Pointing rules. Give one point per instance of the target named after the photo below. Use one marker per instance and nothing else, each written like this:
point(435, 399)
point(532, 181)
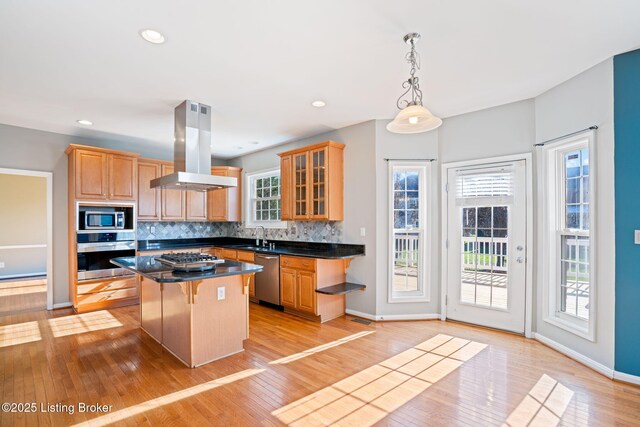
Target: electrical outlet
point(637, 237)
point(1, 264)
point(363, 232)
point(153, 229)
point(220, 294)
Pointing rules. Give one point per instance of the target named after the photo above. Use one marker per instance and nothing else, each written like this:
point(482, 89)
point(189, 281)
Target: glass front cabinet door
point(315, 174)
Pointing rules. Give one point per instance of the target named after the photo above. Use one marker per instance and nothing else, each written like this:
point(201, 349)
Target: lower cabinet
point(288, 287)
point(100, 294)
point(299, 279)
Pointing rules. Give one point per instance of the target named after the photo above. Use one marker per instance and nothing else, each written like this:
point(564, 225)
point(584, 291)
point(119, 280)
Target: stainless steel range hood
point(192, 152)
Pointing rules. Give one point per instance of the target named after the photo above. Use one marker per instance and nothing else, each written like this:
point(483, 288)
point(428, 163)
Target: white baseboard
point(627, 378)
point(596, 366)
point(62, 305)
point(391, 317)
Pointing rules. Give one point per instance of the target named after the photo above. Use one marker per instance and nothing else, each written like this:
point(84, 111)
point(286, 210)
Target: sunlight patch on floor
point(123, 414)
point(545, 405)
point(81, 323)
point(19, 333)
point(309, 352)
point(370, 395)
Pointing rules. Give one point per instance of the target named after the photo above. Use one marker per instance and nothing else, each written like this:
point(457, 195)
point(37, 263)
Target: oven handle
point(106, 246)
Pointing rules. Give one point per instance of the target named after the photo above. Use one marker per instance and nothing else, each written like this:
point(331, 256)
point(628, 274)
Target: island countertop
point(148, 267)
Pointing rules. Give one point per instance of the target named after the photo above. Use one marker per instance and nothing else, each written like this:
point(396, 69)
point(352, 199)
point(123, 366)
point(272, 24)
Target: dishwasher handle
point(267, 256)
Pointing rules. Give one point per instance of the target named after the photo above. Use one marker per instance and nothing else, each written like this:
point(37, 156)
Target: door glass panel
point(301, 184)
point(484, 256)
point(318, 182)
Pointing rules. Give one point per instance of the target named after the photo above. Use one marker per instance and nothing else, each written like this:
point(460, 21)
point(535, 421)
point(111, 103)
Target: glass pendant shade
point(414, 119)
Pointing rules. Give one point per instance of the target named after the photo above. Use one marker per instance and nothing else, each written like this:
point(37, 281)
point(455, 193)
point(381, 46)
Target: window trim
point(551, 171)
point(249, 180)
point(426, 236)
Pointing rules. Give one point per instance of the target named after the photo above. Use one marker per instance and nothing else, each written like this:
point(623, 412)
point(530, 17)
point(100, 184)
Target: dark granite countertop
point(294, 248)
point(148, 267)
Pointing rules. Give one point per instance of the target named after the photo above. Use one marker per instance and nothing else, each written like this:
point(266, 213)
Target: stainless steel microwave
point(94, 220)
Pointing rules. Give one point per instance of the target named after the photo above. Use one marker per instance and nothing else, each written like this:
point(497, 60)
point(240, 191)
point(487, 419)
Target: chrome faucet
point(264, 241)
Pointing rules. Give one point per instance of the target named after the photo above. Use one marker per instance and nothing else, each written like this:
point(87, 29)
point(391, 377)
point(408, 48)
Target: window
point(263, 199)
point(568, 235)
point(408, 232)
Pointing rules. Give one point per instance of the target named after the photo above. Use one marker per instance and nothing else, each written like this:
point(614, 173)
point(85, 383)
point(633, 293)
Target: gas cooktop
point(189, 261)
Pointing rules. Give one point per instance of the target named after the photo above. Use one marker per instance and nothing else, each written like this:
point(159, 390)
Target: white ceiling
point(259, 64)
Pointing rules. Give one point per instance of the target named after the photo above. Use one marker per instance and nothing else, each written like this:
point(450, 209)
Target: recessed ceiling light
point(318, 104)
point(85, 122)
point(254, 142)
point(152, 36)
point(240, 147)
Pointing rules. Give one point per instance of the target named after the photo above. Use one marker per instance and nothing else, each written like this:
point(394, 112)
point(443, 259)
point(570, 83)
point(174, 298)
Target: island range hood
point(192, 152)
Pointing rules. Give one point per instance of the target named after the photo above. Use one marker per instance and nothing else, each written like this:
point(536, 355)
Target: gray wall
point(29, 149)
point(416, 146)
point(359, 200)
point(580, 102)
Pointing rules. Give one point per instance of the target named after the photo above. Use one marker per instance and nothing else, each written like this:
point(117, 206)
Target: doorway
point(25, 241)
point(486, 236)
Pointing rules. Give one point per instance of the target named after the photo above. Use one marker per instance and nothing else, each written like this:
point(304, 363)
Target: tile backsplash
point(307, 231)
point(180, 230)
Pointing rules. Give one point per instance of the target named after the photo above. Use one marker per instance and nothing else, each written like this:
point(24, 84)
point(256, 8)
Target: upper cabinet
point(312, 181)
point(167, 205)
point(148, 198)
point(225, 204)
point(101, 174)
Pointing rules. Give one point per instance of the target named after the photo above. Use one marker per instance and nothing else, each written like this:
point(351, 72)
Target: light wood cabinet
point(300, 277)
point(122, 177)
point(247, 256)
point(306, 292)
point(288, 287)
point(312, 182)
point(148, 198)
point(172, 201)
point(196, 205)
point(98, 175)
point(101, 174)
point(286, 195)
point(225, 204)
point(91, 174)
point(167, 205)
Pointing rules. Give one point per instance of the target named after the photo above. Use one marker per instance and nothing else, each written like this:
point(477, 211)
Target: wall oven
point(95, 250)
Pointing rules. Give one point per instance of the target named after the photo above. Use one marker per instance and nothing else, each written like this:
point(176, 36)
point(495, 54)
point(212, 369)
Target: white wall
point(578, 103)
point(359, 200)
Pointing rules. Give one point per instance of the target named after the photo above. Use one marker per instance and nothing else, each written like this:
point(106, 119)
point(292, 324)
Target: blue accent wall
point(626, 69)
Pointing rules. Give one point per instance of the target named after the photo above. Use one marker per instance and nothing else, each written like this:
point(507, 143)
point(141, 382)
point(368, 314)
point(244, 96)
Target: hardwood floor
point(303, 373)
point(22, 295)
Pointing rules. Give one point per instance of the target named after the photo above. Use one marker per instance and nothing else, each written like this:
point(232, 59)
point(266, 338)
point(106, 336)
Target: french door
point(486, 244)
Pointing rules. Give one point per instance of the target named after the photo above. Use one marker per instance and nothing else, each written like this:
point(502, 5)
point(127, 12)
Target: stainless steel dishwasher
point(268, 280)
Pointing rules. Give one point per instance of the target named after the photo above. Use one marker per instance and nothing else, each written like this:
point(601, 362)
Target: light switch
point(1, 264)
point(363, 232)
point(220, 293)
point(637, 237)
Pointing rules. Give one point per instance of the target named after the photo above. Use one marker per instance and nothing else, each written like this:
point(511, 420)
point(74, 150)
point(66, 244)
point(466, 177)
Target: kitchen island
point(198, 316)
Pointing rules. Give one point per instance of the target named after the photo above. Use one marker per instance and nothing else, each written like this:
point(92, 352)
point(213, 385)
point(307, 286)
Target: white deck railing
point(406, 251)
point(484, 253)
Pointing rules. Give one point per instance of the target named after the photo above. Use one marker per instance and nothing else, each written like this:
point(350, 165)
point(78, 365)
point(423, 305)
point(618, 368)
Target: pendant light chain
point(412, 84)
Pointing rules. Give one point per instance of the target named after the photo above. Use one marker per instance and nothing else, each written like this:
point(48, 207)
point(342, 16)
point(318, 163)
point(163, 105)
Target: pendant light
point(413, 116)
